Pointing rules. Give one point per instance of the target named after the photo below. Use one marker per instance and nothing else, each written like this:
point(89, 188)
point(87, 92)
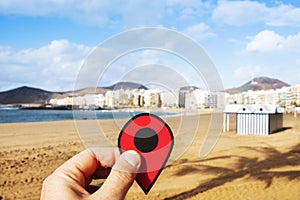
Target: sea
point(15, 115)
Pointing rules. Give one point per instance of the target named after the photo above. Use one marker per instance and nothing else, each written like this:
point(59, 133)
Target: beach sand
point(239, 167)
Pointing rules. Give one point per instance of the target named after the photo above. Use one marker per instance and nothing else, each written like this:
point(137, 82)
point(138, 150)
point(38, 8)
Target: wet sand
point(239, 167)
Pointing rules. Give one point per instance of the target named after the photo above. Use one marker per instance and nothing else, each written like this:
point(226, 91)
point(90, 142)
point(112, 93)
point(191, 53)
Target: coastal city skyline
point(287, 97)
point(45, 43)
point(116, 84)
point(259, 91)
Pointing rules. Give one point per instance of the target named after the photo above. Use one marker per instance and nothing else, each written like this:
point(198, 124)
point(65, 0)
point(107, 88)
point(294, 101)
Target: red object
point(153, 139)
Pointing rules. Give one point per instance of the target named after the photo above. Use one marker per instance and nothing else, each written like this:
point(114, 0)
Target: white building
point(285, 97)
point(170, 98)
point(120, 98)
point(79, 101)
point(295, 97)
point(94, 100)
point(138, 100)
point(66, 101)
point(196, 99)
point(152, 98)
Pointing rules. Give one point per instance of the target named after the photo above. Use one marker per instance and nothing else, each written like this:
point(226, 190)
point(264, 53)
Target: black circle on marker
point(145, 140)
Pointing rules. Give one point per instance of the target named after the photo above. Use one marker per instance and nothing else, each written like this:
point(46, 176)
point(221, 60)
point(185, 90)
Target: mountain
point(125, 86)
point(188, 88)
point(29, 95)
point(260, 83)
point(25, 95)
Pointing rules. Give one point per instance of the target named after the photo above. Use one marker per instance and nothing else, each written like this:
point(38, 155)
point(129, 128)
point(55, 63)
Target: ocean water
point(14, 115)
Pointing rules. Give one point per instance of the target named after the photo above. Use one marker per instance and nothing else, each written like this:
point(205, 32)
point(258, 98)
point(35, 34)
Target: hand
point(71, 180)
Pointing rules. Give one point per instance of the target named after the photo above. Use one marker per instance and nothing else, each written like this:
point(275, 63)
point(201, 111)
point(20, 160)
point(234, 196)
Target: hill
point(25, 95)
point(29, 95)
point(188, 88)
point(125, 86)
point(260, 83)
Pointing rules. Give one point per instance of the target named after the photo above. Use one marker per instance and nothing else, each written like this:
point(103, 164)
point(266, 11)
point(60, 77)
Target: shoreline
point(49, 115)
point(92, 108)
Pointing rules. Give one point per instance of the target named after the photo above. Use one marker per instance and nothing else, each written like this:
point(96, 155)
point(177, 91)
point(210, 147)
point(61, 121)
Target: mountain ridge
point(31, 95)
point(259, 83)
point(125, 85)
point(24, 95)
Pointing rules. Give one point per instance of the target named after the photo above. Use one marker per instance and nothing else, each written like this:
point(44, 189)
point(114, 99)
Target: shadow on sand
point(255, 168)
point(282, 129)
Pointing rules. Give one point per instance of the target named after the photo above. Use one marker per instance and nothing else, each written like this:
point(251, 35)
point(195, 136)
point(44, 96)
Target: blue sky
point(44, 42)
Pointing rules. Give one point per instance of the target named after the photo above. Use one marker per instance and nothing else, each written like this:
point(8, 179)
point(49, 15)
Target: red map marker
point(153, 139)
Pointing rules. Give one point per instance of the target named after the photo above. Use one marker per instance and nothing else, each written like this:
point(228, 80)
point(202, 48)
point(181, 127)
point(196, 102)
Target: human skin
point(72, 179)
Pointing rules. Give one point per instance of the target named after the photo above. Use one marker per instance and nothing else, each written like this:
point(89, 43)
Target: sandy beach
point(239, 167)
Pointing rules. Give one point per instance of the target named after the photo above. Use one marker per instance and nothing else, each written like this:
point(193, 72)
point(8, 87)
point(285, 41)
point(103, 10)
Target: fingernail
point(132, 158)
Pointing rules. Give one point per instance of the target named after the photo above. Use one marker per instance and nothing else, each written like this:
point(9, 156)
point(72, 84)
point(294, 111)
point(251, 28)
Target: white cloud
point(199, 31)
point(241, 13)
point(110, 13)
point(283, 15)
point(90, 12)
point(265, 42)
point(248, 72)
point(269, 42)
point(52, 67)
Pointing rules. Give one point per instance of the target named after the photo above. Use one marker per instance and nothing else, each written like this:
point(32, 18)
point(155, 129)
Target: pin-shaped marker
point(152, 138)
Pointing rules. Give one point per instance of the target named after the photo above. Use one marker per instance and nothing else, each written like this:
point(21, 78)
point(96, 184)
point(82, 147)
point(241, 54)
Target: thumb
point(121, 177)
